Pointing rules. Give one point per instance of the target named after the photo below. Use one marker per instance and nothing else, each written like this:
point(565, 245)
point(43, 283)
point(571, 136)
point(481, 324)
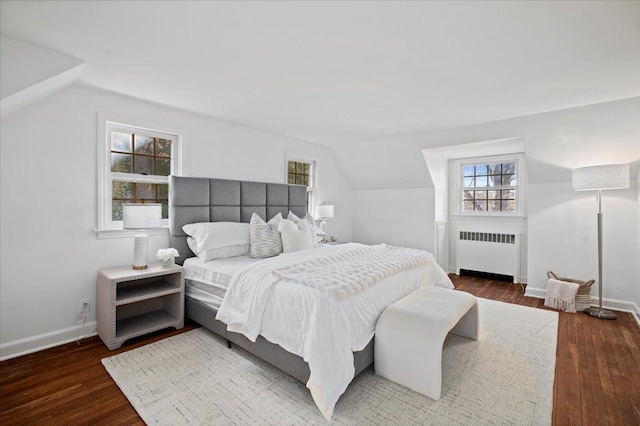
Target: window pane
point(144, 165)
point(143, 145)
point(163, 191)
point(508, 194)
point(145, 191)
point(468, 206)
point(468, 182)
point(120, 141)
point(306, 181)
point(122, 189)
point(494, 206)
point(495, 169)
point(481, 170)
point(509, 205)
point(493, 195)
point(481, 181)
point(291, 166)
point(306, 168)
point(163, 167)
point(495, 180)
point(116, 210)
point(508, 168)
point(291, 179)
point(468, 171)
point(468, 195)
point(121, 163)
point(299, 168)
point(299, 180)
point(481, 195)
point(481, 205)
point(163, 148)
point(509, 180)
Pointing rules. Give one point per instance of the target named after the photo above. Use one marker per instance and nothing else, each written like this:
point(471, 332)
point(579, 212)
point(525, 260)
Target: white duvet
point(323, 330)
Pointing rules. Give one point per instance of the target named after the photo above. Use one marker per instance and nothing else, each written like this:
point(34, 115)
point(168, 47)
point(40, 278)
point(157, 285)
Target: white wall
point(637, 281)
point(403, 217)
point(49, 254)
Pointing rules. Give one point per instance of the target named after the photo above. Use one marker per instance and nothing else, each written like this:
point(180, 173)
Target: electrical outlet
point(85, 305)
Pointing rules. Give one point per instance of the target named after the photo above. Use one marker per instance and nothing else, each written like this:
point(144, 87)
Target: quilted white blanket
point(320, 328)
point(344, 274)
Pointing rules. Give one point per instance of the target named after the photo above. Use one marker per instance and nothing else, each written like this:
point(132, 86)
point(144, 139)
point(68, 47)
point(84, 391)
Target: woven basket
point(583, 297)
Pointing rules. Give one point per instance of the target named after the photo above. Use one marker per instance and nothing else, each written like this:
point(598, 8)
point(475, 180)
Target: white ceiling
point(336, 72)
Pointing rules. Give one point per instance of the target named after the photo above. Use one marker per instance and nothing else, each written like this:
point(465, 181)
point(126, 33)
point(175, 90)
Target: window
point(490, 186)
point(135, 166)
point(303, 171)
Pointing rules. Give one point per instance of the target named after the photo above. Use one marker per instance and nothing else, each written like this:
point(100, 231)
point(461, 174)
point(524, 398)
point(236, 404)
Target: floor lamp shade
point(613, 176)
point(599, 178)
point(141, 216)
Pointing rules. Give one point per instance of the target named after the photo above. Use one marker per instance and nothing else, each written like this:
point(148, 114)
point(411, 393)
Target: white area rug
point(506, 377)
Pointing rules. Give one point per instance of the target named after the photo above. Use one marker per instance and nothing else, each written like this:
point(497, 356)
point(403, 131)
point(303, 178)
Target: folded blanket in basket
point(561, 295)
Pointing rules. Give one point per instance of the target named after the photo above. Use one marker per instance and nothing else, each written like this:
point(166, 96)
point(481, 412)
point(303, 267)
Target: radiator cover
point(490, 252)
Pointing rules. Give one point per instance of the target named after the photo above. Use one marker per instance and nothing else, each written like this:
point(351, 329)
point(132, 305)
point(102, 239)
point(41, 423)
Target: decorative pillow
point(218, 253)
point(317, 233)
point(209, 235)
point(295, 237)
point(265, 237)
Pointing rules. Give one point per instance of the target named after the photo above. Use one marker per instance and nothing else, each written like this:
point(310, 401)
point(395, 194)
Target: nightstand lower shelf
point(138, 325)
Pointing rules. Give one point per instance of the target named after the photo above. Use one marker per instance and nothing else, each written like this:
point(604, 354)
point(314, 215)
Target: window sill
point(510, 218)
point(104, 234)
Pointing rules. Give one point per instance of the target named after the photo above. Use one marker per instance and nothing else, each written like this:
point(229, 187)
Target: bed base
point(274, 354)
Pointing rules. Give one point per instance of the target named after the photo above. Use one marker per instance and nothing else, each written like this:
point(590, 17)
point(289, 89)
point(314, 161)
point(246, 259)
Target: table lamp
point(141, 217)
point(324, 212)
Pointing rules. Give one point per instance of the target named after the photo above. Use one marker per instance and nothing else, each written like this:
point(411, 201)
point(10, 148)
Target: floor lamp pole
point(599, 312)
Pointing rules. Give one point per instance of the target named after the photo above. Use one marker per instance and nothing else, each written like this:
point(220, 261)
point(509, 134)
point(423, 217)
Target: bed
point(193, 200)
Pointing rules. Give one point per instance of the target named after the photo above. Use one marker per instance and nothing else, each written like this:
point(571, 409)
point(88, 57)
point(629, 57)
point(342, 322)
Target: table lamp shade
point(324, 211)
point(142, 216)
point(613, 176)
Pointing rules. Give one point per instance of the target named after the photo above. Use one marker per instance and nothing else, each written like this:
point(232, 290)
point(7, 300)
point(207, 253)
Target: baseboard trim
point(40, 342)
point(616, 305)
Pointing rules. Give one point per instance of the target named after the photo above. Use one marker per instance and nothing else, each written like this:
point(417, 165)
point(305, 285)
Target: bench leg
point(468, 324)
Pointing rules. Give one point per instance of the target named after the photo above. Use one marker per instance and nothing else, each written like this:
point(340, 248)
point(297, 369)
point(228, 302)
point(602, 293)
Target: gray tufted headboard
point(194, 200)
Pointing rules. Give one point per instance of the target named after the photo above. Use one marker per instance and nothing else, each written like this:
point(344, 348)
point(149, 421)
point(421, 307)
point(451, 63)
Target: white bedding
point(323, 330)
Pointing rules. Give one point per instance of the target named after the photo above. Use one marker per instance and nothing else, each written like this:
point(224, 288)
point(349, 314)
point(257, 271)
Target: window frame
point(518, 187)
point(108, 228)
point(312, 190)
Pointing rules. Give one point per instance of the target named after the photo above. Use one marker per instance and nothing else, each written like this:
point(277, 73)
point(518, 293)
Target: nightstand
point(131, 303)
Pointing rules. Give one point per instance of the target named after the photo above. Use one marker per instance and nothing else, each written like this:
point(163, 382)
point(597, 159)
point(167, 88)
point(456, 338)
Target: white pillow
point(209, 235)
point(317, 233)
point(218, 253)
point(295, 237)
point(265, 237)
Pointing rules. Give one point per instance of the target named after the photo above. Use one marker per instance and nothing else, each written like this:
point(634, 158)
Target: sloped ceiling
point(29, 73)
point(345, 72)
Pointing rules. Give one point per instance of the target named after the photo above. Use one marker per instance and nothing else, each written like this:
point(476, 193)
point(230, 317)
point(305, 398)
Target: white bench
point(410, 334)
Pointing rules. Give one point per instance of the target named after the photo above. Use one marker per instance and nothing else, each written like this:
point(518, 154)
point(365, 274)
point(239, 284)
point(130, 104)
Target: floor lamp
point(599, 178)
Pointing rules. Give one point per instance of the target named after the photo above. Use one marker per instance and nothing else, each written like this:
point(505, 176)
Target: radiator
point(488, 252)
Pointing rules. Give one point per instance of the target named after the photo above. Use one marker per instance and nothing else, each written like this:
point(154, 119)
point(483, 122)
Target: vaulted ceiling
point(339, 72)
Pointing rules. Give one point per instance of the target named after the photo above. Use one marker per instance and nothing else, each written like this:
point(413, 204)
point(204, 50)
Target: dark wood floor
point(597, 373)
